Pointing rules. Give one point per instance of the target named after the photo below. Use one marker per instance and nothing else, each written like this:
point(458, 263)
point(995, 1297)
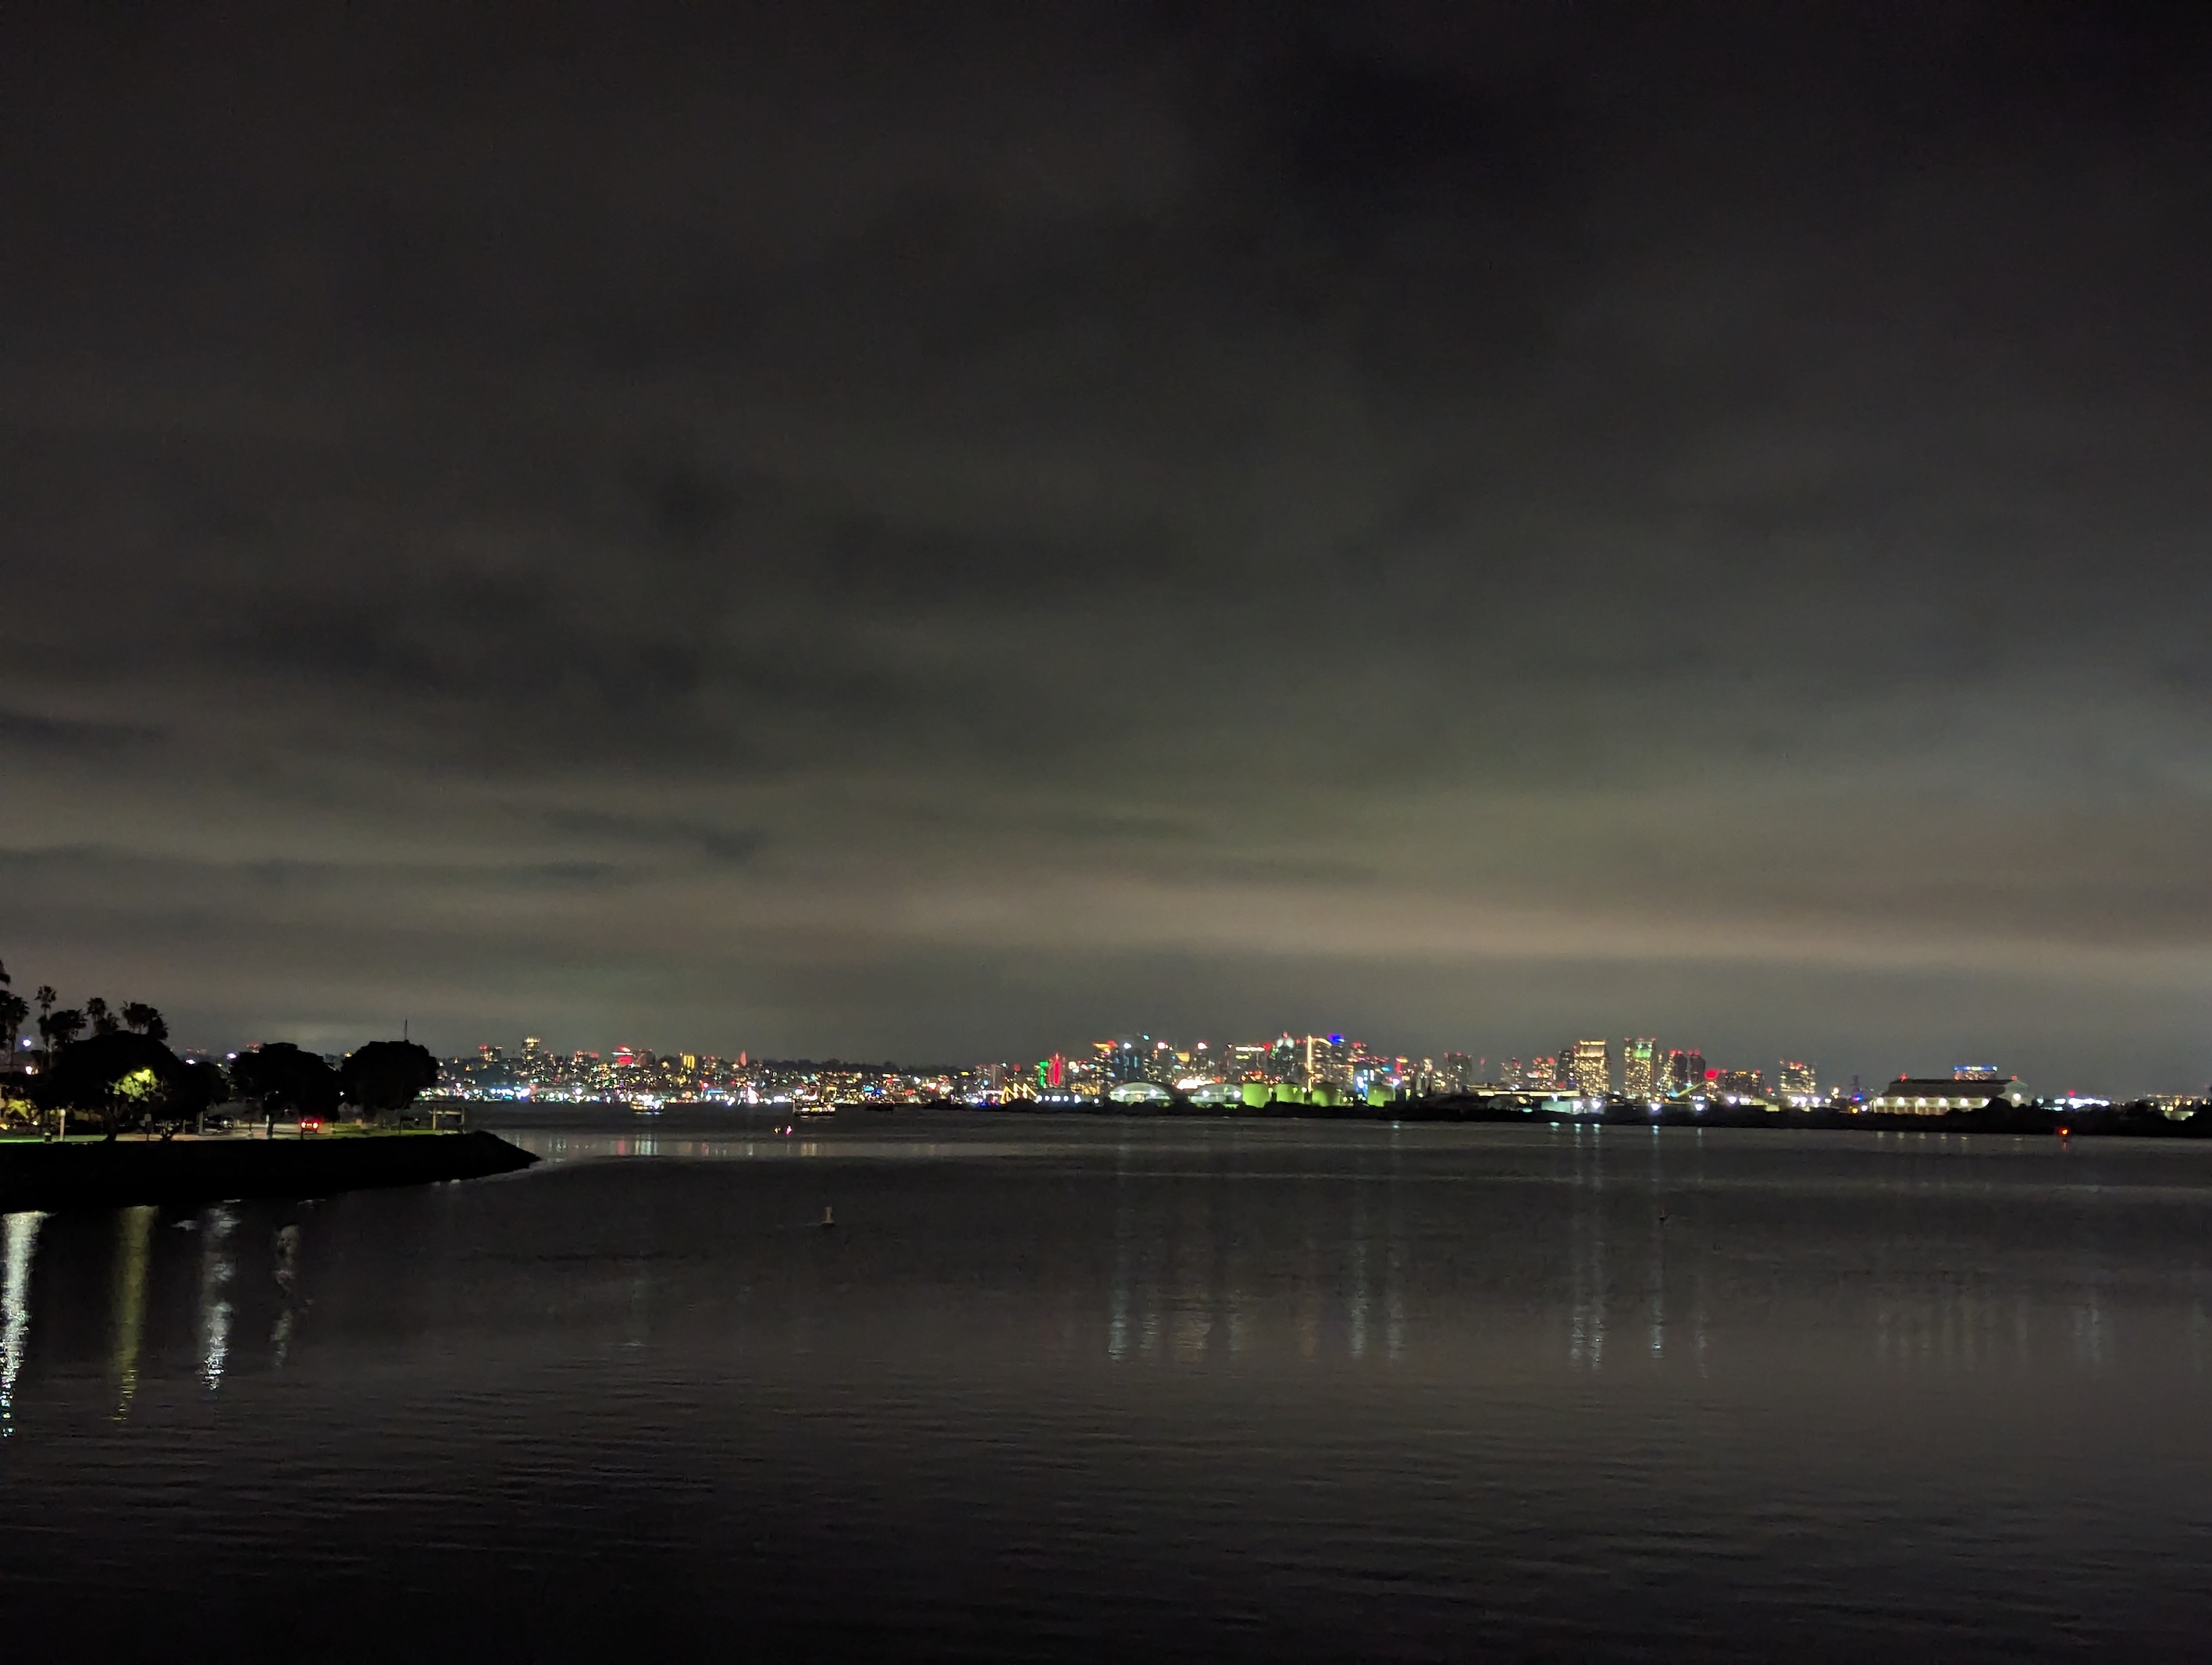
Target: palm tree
point(45, 998)
point(145, 1019)
point(60, 1028)
point(14, 1008)
point(103, 1021)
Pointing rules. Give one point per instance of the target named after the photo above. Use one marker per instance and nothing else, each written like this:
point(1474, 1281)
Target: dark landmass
point(107, 1173)
point(2142, 1121)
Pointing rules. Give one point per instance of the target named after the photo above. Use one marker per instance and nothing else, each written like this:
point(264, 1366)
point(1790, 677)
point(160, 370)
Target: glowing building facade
point(1640, 1068)
point(1592, 1069)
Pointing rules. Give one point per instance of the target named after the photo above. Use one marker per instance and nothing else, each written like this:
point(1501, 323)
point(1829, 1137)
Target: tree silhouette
point(145, 1019)
point(200, 1085)
point(14, 1008)
point(59, 1028)
point(384, 1077)
point(103, 1022)
point(119, 1074)
point(280, 1076)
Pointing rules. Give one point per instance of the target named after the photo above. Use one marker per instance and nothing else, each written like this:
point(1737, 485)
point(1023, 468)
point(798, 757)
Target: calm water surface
point(1156, 1390)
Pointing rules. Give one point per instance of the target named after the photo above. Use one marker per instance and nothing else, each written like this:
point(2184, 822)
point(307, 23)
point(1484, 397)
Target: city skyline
point(1629, 1063)
point(1589, 1068)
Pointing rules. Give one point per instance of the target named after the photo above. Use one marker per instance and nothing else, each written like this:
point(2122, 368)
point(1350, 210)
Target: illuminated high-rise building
point(1542, 1074)
point(1124, 1058)
point(1797, 1080)
point(1592, 1069)
point(1684, 1072)
point(1164, 1068)
point(1640, 1068)
point(1325, 1058)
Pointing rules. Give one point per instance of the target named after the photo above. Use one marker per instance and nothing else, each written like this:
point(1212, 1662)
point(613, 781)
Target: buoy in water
point(829, 1215)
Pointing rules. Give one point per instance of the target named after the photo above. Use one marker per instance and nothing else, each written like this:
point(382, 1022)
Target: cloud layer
point(846, 529)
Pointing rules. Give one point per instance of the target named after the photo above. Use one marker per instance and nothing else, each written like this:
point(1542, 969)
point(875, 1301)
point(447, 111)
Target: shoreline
point(102, 1174)
point(2137, 1121)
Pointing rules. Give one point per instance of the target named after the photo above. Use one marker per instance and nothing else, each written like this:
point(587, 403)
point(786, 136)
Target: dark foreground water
point(1142, 1389)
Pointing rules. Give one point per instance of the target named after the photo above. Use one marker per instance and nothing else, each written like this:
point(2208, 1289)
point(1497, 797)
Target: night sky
point(945, 532)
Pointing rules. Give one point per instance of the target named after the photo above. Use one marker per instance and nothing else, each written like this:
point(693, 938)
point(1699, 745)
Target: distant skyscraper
point(1592, 1068)
point(1640, 1068)
point(1685, 1071)
point(1797, 1080)
point(1541, 1075)
point(1124, 1058)
point(1325, 1059)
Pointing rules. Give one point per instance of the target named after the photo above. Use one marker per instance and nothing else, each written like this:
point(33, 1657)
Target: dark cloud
point(63, 736)
point(853, 528)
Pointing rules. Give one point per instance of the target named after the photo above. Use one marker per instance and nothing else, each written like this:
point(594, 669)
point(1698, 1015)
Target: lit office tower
point(1797, 1080)
point(1325, 1059)
point(1684, 1072)
point(1593, 1069)
point(1640, 1068)
point(1541, 1074)
point(1124, 1058)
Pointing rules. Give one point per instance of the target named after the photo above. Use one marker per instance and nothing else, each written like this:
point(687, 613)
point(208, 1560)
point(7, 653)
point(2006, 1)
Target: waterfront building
point(1797, 1081)
point(1934, 1095)
point(1138, 1092)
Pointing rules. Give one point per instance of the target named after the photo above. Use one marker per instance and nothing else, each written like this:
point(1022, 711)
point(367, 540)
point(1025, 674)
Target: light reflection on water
point(23, 1237)
point(217, 1268)
point(1199, 1387)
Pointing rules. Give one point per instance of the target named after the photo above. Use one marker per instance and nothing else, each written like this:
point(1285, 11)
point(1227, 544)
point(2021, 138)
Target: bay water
point(1057, 1386)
